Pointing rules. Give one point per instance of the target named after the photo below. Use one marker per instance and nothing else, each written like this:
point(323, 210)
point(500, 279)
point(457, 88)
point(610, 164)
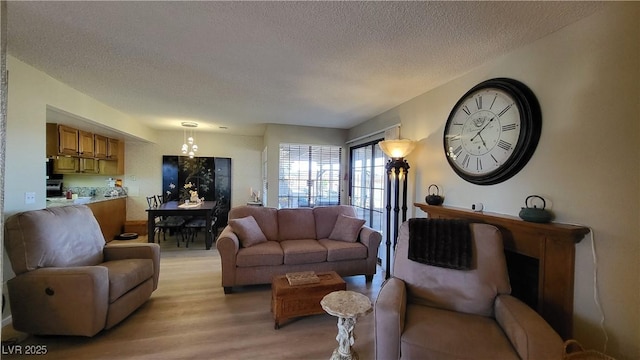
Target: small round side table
point(347, 306)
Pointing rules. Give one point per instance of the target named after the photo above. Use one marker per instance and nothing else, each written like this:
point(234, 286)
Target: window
point(309, 176)
point(367, 183)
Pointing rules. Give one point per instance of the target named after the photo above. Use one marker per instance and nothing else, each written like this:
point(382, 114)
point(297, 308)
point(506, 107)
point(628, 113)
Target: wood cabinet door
point(66, 165)
point(89, 166)
point(113, 146)
point(67, 140)
point(100, 145)
point(85, 144)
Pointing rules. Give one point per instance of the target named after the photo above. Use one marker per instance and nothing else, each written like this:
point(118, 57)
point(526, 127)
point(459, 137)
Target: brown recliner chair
point(67, 281)
point(431, 312)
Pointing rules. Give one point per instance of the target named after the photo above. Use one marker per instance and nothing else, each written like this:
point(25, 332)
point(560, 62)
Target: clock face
point(492, 131)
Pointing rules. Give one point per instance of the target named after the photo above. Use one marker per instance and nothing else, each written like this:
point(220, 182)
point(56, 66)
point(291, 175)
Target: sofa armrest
point(390, 309)
point(60, 301)
point(228, 246)
point(529, 333)
point(370, 238)
point(136, 251)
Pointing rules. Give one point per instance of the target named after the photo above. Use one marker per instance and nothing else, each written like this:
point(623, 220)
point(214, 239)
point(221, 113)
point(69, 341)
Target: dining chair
point(171, 224)
point(194, 225)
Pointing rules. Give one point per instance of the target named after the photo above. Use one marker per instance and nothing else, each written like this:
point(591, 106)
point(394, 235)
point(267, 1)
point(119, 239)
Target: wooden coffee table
point(289, 301)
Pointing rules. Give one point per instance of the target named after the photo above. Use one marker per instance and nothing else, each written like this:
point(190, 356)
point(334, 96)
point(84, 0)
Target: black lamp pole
point(395, 168)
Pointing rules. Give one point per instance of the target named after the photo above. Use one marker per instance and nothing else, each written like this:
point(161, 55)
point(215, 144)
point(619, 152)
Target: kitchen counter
point(63, 201)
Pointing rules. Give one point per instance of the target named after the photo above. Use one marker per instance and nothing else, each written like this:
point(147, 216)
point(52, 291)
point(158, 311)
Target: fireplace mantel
point(553, 245)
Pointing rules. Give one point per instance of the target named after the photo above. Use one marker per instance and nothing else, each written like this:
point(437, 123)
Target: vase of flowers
point(185, 192)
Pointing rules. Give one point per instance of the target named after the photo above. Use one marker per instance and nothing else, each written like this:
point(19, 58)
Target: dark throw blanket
point(440, 242)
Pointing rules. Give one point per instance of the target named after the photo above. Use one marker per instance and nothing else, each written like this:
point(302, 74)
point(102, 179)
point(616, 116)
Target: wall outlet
point(29, 198)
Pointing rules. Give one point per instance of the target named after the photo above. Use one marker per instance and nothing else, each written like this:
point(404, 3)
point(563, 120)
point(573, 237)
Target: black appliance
point(54, 188)
point(54, 181)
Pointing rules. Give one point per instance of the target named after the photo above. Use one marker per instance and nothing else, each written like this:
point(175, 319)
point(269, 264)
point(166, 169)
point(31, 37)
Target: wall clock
point(492, 131)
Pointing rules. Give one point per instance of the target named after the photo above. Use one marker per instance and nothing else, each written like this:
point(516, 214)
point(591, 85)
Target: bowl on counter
point(82, 200)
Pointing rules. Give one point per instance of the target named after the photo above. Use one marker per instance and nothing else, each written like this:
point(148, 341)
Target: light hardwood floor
point(190, 317)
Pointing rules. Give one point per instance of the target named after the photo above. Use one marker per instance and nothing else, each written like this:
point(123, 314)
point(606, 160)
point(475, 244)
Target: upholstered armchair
point(67, 281)
point(431, 312)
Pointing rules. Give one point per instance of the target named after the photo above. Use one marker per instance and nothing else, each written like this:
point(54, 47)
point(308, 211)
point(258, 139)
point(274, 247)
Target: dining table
point(175, 208)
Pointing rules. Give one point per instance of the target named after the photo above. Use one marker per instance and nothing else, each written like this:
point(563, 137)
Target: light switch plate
point(29, 198)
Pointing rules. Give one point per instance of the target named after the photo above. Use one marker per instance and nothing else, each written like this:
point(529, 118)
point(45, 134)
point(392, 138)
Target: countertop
point(63, 201)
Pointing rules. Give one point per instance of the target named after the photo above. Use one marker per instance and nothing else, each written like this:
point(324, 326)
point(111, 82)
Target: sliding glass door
point(366, 190)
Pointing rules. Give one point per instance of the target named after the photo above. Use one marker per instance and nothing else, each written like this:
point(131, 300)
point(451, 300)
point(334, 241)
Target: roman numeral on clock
point(479, 102)
point(505, 110)
point(465, 162)
point(466, 110)
point(457, 151)
point(478, 164)
point(504, 145)
point(508, 127)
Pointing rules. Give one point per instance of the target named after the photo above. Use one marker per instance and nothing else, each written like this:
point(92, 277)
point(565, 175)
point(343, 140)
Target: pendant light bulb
point(189, 147)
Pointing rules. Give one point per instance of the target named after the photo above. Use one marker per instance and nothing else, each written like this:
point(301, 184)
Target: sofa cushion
point(326, 217)
point(295, 224)
point(439, 337)
point(342, 250)
point(472, 291)
point(126, 274)
point(266, 217)
point(55, 237)
point(346, 228)
point(248, 231)
point(264, 254)
point(303, 252)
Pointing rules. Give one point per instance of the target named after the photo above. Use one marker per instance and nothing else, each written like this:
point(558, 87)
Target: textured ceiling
point(242, 65)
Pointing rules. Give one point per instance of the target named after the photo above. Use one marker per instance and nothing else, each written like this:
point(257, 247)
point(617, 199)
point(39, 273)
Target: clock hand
point(483, 143)
point(478, 133)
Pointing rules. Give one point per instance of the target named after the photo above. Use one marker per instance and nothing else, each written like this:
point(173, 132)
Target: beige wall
point(143, 165)
point(587, 164)
point(286, 134)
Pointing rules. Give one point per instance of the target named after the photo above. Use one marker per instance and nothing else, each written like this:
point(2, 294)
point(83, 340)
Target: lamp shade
point(397, 148)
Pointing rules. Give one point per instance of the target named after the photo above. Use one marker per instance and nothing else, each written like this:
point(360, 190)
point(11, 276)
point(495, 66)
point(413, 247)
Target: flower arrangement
point(188, 193)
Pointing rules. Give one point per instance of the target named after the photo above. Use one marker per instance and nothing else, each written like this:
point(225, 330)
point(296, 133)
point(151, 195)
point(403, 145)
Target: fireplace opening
point(523, 274)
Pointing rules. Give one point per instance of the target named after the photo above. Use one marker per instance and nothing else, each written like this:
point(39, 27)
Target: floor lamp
point(397, 169)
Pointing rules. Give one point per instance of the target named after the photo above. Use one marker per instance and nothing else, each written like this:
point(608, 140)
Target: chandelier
point(189, 146)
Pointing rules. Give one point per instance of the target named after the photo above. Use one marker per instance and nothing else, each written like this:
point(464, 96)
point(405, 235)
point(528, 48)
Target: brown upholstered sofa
point(261, 242)
point(67, 281)
point(431, 312)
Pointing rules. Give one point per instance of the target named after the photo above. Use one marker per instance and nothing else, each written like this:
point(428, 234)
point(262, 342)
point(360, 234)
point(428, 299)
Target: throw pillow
point(346, 229)
point(248, 231)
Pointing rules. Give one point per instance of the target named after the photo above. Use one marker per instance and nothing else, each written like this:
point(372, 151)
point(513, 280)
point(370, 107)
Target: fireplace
point(523, 275)
point(540, 259)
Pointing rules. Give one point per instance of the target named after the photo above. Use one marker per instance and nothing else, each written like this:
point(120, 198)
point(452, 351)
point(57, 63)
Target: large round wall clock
point(492, 131)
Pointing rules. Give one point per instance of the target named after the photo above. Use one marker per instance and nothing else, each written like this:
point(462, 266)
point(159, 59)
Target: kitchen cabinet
point(66, 165)
point(111, 216)
point(73, 165)
point(113, 149)
point(100, 145)
point(85, 144)
point(89, 166)
point(66, 140)
point(76, 151)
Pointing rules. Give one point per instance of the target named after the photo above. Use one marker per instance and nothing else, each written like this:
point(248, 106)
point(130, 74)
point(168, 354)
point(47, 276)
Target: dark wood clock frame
point(531, 127)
